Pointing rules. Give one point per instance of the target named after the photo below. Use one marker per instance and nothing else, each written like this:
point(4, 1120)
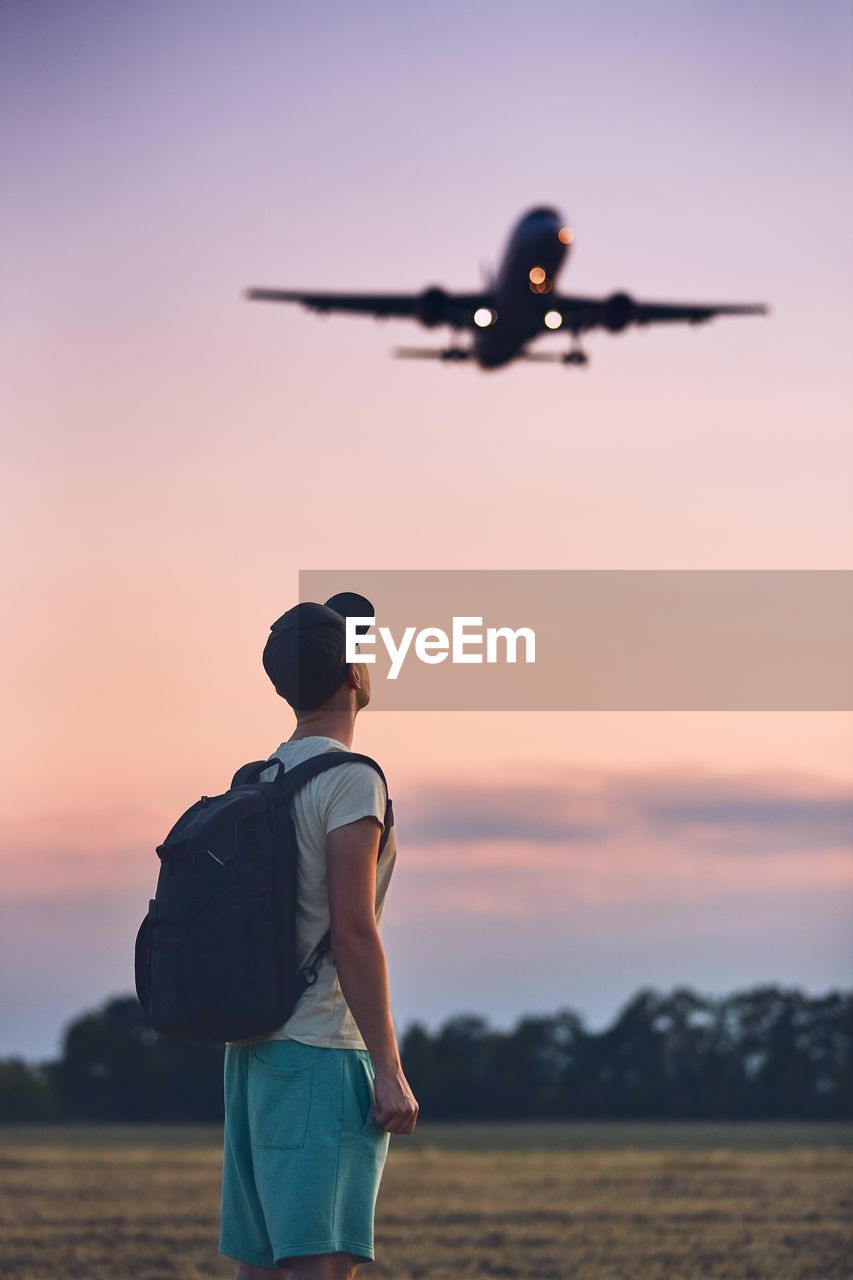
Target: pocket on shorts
point(369, 1125)
point(279, 1101)
point(277, 1058)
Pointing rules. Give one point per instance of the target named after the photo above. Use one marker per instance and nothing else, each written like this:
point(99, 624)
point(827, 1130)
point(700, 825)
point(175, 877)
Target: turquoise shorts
point(303, 1156)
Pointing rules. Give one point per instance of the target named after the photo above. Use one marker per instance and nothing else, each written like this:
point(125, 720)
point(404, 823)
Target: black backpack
point(215, 955)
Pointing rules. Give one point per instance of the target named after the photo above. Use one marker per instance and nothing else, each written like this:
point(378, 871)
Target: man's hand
point(396, 1108)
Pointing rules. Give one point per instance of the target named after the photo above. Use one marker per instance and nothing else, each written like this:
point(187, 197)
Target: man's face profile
point(362, 693)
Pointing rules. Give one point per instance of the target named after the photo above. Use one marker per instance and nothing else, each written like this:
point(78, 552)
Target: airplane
point(519, 304)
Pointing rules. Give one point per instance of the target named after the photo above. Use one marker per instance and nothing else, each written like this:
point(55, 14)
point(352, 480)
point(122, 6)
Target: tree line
point(763, 1053)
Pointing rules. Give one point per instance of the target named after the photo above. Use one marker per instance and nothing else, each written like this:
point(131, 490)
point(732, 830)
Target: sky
point(173, 456)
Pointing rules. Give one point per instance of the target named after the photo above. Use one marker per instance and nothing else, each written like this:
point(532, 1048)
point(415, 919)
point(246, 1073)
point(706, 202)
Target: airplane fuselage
point(536, 251)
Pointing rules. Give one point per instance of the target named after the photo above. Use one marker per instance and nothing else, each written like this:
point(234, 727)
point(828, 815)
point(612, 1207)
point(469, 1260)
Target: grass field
point(602, 1201)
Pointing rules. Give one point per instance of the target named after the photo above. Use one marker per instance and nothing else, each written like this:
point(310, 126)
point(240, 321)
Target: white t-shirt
point(330, 800)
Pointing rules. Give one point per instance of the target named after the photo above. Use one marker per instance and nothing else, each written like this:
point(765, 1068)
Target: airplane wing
point(619, 310)
point(432, 306)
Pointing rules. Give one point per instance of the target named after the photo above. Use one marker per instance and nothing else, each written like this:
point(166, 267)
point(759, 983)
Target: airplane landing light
point(483, 317)
point(553, 319)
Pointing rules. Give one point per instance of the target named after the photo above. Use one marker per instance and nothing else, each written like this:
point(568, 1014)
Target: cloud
point(756, 816)
point(762, 814)
point(505, 814)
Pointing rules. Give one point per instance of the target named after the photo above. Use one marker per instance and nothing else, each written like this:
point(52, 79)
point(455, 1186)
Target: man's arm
point(351, 854)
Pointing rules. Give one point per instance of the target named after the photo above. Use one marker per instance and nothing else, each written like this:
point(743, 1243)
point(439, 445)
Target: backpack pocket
point(161, 956)
point(235, 980)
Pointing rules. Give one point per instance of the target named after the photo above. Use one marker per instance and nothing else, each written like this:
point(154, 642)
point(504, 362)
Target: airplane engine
point(619, 311)
point(431, 308)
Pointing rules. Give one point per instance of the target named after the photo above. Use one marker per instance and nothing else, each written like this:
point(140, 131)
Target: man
point(309, 1108)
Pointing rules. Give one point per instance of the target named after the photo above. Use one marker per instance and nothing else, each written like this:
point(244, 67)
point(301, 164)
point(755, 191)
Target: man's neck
point(337, 725)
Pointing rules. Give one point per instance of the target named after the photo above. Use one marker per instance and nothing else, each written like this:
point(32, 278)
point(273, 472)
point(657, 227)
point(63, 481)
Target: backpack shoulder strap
point(308, 769)
point(301, 773)
point(292, 779)
point(288, 781)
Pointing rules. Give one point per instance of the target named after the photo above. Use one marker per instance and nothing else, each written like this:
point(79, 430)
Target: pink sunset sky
point(174, 456)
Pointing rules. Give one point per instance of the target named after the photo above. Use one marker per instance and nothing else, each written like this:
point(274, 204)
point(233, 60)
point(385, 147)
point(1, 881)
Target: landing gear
point(454, 354)
point(576, 356)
